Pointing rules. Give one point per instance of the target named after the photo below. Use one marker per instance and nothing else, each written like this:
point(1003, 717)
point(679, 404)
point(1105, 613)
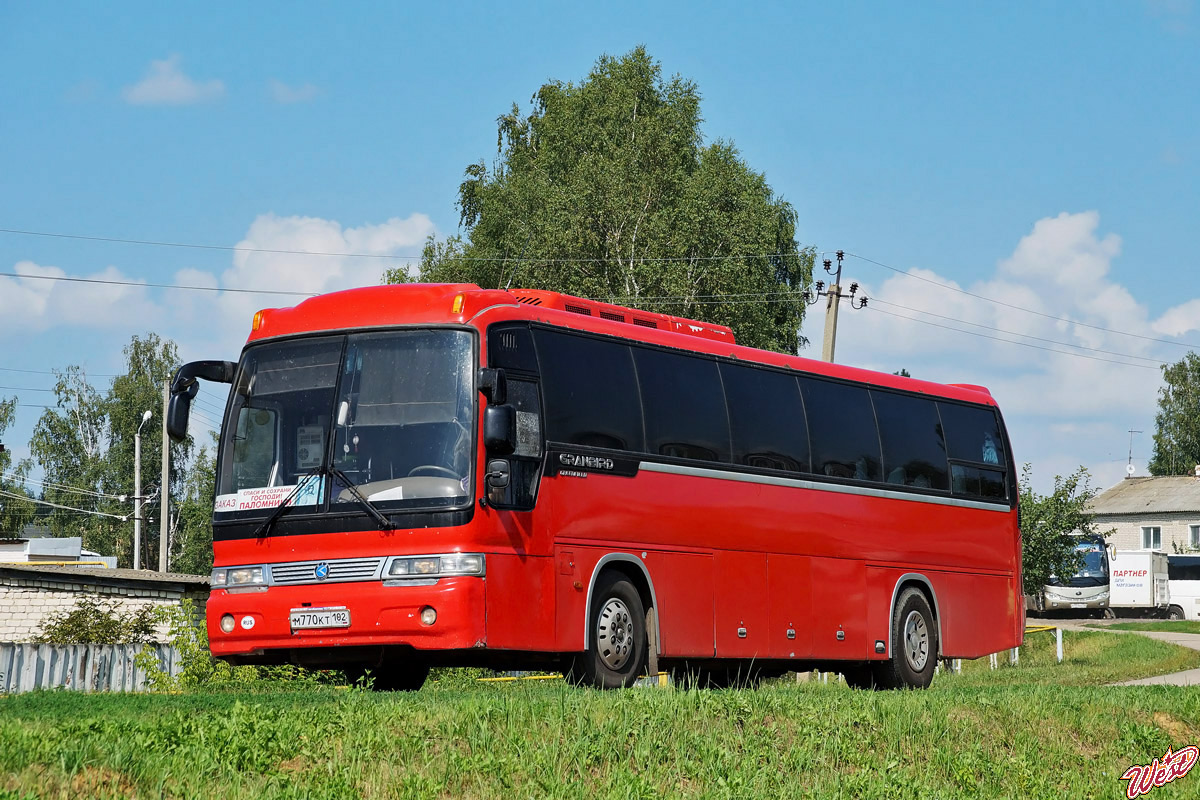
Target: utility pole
point(165, 491)
point(137, 493)
point(833, 296)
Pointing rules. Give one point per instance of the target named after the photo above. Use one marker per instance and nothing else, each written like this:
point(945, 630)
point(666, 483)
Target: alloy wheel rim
point(614, 634)
point(916, 640)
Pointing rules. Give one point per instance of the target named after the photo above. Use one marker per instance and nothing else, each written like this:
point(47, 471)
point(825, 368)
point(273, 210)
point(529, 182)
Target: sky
point(1016, 187)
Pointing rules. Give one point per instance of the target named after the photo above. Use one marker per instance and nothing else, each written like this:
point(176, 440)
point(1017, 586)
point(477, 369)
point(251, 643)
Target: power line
point(151, 285)
point(65, 508)
point(62, 487)
point(1015, 333)
point(1020, 308)
point(53, 372)
point(1010, 341)
point(396, 257)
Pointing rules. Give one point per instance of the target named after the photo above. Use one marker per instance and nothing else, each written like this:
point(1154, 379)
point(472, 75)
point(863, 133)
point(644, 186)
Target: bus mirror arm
point(494, 385)
point(184, 388)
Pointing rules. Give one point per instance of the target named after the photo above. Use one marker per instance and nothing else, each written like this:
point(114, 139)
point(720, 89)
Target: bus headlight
point(435, 566)
point(239, 576)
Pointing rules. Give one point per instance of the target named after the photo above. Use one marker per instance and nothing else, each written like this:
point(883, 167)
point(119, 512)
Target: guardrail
point(79, 667)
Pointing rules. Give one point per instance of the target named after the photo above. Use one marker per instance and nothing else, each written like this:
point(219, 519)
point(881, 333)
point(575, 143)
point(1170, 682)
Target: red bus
point(425, 475)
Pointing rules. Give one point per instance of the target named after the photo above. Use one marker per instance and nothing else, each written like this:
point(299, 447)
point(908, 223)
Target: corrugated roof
point(1164, 495)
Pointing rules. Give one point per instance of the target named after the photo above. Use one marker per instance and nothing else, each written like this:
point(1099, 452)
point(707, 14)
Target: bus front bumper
point(261, 620)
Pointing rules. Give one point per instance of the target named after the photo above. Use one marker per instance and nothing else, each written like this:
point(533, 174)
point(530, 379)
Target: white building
point(63, 551)
point(1151, 514)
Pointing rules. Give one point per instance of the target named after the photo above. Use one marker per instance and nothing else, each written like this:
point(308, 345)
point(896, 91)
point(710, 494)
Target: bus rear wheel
point(1175, 612)
point(616, 653)
point(914, 644)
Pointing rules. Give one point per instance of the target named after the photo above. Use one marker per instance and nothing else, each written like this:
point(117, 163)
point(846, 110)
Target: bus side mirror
point(178, 410)
point(494, 385)
point(184, 388)
point(500, 429)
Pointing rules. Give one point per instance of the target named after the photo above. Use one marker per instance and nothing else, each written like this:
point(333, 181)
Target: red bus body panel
point(737, 568)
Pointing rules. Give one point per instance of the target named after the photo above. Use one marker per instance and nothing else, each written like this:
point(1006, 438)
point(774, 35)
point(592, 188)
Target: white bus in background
point(1183, 573)
point(1087, 588)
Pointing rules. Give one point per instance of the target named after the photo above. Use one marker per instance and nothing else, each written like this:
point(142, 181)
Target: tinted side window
point(684, 405)
point(973, 434)
point(511, 348)
point(1183, 569)
point(914, 449)
point(988, 483)
point(590, 391)
point(841, 424)
point(766, 417)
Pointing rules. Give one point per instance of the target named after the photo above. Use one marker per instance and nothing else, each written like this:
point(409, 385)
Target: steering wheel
point(436, 469)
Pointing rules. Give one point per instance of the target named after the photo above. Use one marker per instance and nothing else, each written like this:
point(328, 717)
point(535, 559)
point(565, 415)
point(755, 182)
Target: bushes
point(91, 622)
point(199, 670)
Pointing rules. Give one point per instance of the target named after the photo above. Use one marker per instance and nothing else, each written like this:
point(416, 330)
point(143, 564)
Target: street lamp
point(137, 493)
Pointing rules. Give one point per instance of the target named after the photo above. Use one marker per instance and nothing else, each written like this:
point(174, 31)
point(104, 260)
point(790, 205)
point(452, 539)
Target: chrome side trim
point(607, 559)
point(819, 486)
point(915, 577)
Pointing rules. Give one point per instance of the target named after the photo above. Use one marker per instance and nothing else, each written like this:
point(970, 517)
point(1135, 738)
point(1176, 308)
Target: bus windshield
point(1093, 568)
point(385, 413)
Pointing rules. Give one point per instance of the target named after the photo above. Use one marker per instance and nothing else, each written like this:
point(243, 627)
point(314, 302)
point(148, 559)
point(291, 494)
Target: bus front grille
point(338, 570)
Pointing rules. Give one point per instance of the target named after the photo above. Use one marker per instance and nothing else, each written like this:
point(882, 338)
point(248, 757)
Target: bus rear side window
point(841, 423)
point(914, 449)
point(683, 405)
point(972, 434)
point(590, 390)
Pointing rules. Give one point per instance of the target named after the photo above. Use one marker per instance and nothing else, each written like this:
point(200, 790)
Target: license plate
point(310, 618)
point(1073, 605)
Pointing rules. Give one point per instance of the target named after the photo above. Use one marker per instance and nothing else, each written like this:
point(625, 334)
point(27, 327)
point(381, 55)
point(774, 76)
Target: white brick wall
point(26, 604)
point(1128, 535)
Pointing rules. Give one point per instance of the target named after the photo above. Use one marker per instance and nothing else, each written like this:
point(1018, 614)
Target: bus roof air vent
point(622, 314)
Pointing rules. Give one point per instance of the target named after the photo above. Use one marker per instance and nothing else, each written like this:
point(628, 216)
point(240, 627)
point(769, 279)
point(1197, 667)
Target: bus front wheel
point(616, 651)
point(914, 644)
point(1175, 612)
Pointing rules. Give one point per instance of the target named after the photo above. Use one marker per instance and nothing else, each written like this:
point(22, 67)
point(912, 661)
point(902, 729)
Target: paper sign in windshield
point(268, 497)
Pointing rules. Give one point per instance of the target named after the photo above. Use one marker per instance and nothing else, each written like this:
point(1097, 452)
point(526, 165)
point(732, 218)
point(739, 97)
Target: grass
point(1173, 626)
point(1012, 732)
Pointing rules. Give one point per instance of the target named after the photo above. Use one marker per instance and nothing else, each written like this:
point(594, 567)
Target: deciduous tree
point(605, 189)
point(85, 446)
point(1177, 423)
point(15, 507)
point(1050, 524)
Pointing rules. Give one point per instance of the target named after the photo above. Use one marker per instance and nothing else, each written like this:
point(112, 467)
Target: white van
point(1183, 573)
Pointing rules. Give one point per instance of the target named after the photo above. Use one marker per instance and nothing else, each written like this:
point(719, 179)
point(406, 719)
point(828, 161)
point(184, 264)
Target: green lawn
point(1166, 626)
point(1012, 732)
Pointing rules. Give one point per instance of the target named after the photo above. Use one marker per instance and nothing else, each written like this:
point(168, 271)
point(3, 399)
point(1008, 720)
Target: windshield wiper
point(269, 522)
point(384, 523)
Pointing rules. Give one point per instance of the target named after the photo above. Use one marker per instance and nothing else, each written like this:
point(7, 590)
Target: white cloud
point(286, 95)
point(166, 84)
point(1183, 318)
point(212, 324)
point(30, 302)
point(1063, 408)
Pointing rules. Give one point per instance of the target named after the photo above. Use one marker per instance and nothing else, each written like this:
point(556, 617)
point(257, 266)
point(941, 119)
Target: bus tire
point(616, 653)
point(914, 644)
point(1175, 612)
